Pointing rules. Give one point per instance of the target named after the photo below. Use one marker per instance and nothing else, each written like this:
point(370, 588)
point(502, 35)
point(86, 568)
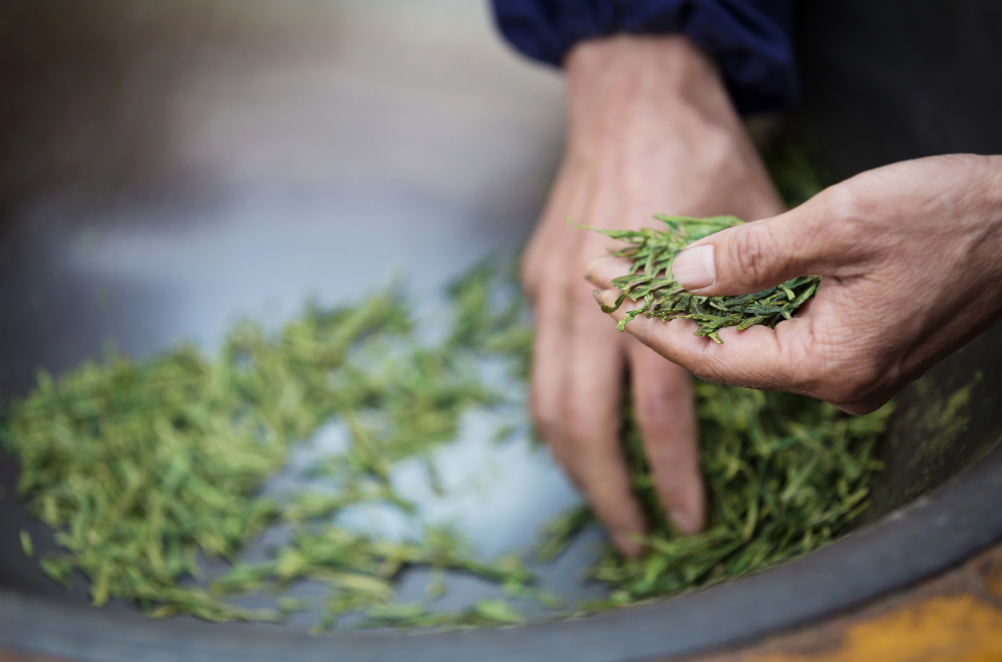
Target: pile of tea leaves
point(652, 253)
point(141, 467)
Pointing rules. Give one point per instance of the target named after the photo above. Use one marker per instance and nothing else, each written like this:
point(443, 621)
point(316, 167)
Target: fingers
point(548, 379)
point(537, 261)
point(602, 270)
point(576, 396)
point(664, 407)
point(747, 258)
point(758, 357)
point(578, 413)
point(589, 442)
point(578, 367)
point(813, 239)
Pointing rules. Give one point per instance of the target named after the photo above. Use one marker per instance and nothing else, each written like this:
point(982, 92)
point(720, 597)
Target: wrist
point(667, 75)
point(650, 116)
point(642, 64)
point(647, 91)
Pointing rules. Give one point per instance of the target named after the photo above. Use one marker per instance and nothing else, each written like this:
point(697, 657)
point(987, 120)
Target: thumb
point(755, 256)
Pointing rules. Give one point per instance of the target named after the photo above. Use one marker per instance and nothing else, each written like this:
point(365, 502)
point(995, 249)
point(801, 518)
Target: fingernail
point(681, 520)
point(606, 297)
point(595, 261)
point(694, 268)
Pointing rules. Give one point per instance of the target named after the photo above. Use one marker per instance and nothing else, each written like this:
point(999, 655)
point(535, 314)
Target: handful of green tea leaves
point(650, 278)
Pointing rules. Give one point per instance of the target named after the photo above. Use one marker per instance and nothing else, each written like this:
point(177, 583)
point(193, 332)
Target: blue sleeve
point(749, 38)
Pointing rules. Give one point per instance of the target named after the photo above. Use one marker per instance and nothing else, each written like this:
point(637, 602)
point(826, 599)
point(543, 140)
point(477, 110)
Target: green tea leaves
point(142, 467)
point(784, 475)
point(652, 253)
point(26, 545)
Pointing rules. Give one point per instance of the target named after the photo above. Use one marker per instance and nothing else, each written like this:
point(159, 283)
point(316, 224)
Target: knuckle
point(529, 274)
point(584, 426)
point(842, 203)
point(846, 211)
point(579, 430)
point(749, 251)
point(716, 153)
point(531, 290)
point(546, 420)
point(536, 267)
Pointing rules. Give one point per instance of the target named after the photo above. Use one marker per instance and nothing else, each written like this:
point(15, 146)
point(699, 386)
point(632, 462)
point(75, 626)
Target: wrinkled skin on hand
point(911, 262)
point(651, 130)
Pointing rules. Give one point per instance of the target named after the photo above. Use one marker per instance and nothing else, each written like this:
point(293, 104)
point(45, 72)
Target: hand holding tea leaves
point(909, 260)
point(651, 127)
point(653, 252)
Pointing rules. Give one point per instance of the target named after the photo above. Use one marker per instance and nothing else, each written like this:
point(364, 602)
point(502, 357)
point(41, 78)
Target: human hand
point(651, 129)
point(909, 256)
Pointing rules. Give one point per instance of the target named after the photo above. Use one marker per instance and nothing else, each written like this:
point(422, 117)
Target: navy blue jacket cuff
point(750, 39)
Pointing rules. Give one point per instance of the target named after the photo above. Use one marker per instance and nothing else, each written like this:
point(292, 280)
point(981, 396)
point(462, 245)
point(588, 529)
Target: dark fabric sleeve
point(750, 39)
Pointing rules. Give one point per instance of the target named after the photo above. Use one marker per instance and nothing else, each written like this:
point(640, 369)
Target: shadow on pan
point(163, 169)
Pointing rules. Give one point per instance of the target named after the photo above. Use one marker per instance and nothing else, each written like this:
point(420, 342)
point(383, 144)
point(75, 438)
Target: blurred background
point(169, 165)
